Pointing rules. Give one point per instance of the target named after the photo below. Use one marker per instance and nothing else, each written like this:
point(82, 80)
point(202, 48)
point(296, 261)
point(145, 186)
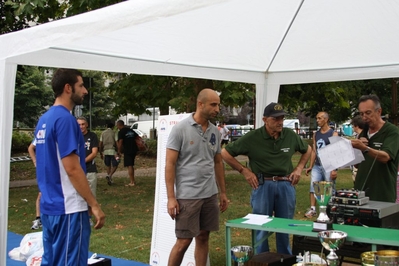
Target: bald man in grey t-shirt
point(194, 164)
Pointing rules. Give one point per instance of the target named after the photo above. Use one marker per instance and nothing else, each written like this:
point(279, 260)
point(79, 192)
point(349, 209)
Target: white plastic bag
point(15, 254)
point(30, 244)
point(35, 259)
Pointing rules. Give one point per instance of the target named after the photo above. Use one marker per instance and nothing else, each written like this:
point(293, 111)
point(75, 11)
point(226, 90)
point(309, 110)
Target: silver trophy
point(322, 193)
point(332, 240)
point(241, 254)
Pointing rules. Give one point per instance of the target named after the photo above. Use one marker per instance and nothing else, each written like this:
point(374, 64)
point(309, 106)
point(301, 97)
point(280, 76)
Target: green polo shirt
point(267, 155)
point(378, 179)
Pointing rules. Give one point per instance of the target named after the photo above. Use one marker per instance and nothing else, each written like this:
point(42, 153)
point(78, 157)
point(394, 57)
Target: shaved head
point(324, 114)
point(208, 103)
point(205, 94)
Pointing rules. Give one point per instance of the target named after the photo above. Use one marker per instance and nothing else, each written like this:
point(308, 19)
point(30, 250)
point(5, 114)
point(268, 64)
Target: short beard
point(75, 98)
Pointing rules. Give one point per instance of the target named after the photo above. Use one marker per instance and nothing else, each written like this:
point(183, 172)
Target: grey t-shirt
point(195, 167)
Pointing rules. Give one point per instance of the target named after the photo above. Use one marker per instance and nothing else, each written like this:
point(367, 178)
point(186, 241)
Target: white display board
point(163, 227)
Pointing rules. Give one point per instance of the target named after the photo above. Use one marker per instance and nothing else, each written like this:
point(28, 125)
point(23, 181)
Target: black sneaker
point(109, 180)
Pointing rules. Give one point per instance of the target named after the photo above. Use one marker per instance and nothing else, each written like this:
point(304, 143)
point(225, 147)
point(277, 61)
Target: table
point(369, 235)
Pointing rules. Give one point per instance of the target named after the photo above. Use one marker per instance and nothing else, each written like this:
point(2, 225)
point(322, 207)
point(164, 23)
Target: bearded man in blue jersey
point(60, 169)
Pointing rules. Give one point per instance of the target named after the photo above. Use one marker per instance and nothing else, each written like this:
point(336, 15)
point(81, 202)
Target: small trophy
point(332, 240)
point(241, 254)
point(322, 194)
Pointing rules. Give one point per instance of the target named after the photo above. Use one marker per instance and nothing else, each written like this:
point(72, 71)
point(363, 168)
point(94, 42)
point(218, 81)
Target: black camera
point(261, 179)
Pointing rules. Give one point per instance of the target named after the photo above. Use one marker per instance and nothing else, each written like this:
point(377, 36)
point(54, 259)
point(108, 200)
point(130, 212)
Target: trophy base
point(322, 226)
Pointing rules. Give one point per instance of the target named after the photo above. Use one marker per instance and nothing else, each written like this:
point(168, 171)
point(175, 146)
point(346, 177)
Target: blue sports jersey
point(58, 135)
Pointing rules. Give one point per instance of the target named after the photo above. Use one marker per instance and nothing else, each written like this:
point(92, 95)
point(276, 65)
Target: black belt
point(277, 178)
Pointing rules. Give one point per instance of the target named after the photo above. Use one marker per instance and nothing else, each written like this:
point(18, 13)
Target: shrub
point(20, 141)
point(152, 148)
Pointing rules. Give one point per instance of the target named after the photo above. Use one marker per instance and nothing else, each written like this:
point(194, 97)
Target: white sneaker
point(310, 213)
point(36, 224)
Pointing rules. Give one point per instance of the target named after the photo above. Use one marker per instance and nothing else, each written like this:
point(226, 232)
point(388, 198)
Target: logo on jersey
point(41, 135)
point(213, 139)
point(320, 143)
point(87, 144)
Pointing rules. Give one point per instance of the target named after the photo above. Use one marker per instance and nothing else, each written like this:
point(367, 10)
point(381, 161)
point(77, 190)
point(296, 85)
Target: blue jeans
point(318, 174)
point(276, 198)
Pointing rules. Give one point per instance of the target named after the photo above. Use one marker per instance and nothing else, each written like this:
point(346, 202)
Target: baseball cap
point(274, 110)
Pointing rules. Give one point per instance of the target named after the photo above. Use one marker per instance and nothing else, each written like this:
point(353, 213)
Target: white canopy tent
point(265, 42)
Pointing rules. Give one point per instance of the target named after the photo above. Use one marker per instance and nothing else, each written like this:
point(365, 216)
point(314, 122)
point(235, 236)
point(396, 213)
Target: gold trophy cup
point(322, 194)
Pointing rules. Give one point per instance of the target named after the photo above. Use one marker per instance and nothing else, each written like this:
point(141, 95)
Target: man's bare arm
point(170, 174)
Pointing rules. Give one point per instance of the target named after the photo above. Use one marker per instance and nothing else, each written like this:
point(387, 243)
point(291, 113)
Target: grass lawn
point(128, 228)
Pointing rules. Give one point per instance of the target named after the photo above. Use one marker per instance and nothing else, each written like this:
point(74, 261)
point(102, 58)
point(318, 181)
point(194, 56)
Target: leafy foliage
point(339, 99)
point(9, 22)
point(98, 105)
point(20, 141)
point(32, 94)
point(134, 93)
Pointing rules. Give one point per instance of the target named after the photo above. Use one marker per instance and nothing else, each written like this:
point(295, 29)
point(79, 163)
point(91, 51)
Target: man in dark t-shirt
point(91, 149)
point(127, 143)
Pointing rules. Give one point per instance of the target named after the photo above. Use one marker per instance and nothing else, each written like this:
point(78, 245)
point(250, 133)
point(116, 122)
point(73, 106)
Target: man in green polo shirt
point(270, 174)
point(379, 143)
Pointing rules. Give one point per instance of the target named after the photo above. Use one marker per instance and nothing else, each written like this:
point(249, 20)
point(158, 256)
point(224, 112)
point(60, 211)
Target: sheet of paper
point(255, 216)
point(336, 154)
point(256, 219)
point(359, 157)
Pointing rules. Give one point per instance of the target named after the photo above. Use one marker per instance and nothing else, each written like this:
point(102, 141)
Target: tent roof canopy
point(283, 41)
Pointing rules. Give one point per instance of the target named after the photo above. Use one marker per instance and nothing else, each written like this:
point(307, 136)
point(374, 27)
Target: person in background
point(37, 223)
point(60, 170)
point(195, 168)
point(377, 174)
point(271, 174)
point(357, 125)
point(225, 134)
point(127, 143)
point(91, 148)
point(318, 173)
point(108, 151)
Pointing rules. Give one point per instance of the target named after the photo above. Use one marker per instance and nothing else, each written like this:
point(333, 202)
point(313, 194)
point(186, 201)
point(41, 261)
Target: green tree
point(9, 22)
point(98, 104)
point(336, 98)
point(32, 94)
point(134, 93)
point(234, 94)
point(340, 99)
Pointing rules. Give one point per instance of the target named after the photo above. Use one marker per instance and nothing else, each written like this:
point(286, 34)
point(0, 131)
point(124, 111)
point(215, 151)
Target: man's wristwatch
point(366, 150)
